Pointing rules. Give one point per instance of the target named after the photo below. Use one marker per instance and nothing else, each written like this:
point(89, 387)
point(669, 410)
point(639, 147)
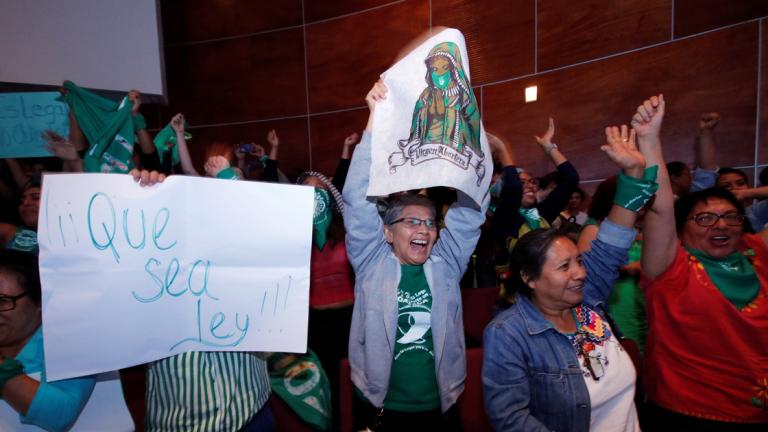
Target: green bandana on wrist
point(9, 369)
point(633, 193)
point(228, 174)
point(734, 276)
point(139, 122)
point(321, 220)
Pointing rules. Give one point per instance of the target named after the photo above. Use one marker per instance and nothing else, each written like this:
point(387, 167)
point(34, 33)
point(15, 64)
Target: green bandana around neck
point(733, 275)
point(531, 216)
point(321, 219)
point(441, 81)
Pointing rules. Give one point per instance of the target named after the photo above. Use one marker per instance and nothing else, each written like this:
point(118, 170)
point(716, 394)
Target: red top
point(331, 277)
point(705, 358)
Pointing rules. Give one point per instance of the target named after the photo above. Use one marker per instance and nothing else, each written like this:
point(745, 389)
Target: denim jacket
point(377, 276)
point(532, 380)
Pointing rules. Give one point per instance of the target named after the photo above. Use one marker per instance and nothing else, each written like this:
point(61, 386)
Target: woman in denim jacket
point(552, 361)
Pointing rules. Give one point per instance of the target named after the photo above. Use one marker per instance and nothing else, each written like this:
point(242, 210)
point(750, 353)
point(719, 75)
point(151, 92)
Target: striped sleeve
point(205, 391)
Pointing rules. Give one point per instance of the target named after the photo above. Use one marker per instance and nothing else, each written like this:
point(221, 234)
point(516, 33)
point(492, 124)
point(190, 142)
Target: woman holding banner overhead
point(53, 406)
point(406, 347)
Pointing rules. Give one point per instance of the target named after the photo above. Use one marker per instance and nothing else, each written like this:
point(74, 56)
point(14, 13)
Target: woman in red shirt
point(707, 304)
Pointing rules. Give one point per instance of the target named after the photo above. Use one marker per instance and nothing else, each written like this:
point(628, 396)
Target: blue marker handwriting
point(104, 227)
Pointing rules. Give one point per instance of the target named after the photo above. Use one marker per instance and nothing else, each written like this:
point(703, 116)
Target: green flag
point(107, 125)
point(301, 382)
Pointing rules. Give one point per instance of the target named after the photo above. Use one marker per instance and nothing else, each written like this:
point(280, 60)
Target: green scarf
point(633, 193)
point(304, 386)
point(168, 135)
point(531, 216)
point(228, 174)
point(107, 125)
point(321, 219)
point(733, 275)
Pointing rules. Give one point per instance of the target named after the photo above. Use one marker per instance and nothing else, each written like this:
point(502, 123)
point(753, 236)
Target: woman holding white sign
point(53, 406)
point(406, 348)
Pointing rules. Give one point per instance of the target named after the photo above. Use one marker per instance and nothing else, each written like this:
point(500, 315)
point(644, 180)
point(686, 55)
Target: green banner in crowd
point(301, 382)
point(24, 117)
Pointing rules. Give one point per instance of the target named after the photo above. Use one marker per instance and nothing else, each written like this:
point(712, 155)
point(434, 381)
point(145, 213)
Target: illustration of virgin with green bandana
point(446, 118)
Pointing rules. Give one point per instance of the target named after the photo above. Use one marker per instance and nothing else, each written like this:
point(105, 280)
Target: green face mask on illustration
point(441, 81)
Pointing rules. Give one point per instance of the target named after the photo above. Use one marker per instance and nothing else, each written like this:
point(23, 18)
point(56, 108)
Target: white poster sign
point(134, 274)
point(428, 131)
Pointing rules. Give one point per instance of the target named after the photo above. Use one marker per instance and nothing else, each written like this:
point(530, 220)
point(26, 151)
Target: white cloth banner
point(428, 131)
point(134, 274)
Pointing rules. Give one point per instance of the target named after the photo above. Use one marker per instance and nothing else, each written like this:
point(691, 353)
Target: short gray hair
point(398, 203)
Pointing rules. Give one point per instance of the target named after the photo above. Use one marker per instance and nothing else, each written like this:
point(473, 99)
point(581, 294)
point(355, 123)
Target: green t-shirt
point(413, 382)
point(627, 304)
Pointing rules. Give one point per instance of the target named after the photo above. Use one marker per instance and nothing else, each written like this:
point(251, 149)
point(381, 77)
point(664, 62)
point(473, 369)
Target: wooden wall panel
point(239, 79)
point(345, 56)
point(316, 10)
point(327, 134)
point(694, 16)
point(587, 98)
point(571, 32)
point(293, 154)
point(499, 35)
point(195, 20)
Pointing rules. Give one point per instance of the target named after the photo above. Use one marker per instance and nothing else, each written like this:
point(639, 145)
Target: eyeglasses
point(707, 219)
point(414, 222)
point(9, 302)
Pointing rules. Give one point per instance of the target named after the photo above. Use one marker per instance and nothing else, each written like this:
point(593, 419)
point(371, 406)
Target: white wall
point(110, 45)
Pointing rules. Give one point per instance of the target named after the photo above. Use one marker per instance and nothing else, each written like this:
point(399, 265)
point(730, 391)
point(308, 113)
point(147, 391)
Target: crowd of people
point(642, 306)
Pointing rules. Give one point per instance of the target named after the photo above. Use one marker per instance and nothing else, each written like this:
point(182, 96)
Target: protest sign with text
point(24, 117)
point(134, 274)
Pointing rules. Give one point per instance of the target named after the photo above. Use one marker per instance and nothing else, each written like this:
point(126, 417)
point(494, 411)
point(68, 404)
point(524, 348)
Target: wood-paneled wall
point(238, 68)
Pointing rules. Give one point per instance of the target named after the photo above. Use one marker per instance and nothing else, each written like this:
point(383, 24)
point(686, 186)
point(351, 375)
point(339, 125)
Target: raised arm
point(17, 172)
point(462, 230)
point(364, 227)
point(140, 124)
point(177, 123)
point(64, 150)
point(568, 177)
point(274, 143)
point(615, 235)
point(659, 234)
point(705, 149)
point(550, 148)
point(510, 197)
point(340, 177)
point(76, 135)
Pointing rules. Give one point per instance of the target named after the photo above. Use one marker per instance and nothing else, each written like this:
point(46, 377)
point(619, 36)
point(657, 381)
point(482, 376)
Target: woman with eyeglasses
point(706, 287)
point(518, 210)
point(53, 406)
point(406, 344)
point(553, 359)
